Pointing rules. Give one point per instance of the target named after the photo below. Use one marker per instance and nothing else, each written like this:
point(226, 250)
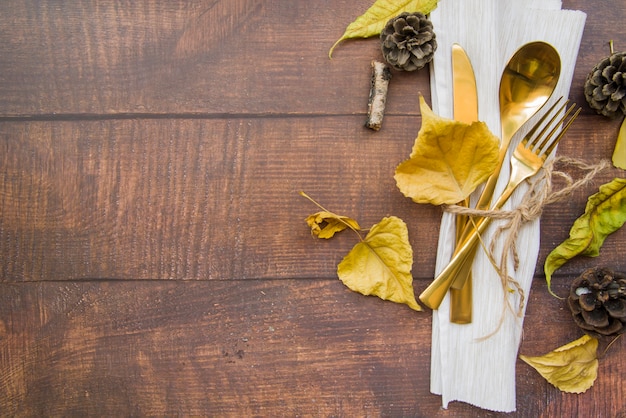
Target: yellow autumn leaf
point(572, 368)
point(325, 224)
point(380, 264)
point(372, 22)
point(619, 154)
point(449, 160)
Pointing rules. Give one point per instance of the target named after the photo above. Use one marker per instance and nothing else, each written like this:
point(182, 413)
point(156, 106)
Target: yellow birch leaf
point(372, 22)
point(380, 264)
point(572, 368)
point(449, 160)
point(325, 224)
point(619, 154)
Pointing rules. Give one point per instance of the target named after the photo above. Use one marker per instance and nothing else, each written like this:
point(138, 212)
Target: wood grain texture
point(154, 257)
point(219, 348)
point(149, 57)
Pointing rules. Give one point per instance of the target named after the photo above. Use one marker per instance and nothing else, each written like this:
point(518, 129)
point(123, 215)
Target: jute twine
point(540, 193)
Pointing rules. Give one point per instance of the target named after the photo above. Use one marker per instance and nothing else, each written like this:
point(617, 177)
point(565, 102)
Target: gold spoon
point(528, 80)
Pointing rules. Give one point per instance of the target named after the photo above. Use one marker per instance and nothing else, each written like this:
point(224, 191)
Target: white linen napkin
point(464, 367)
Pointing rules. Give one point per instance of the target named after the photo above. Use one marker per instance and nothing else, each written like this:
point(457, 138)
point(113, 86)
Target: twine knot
point(539, 194)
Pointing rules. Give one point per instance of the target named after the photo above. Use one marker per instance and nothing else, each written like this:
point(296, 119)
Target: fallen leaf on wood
point(325, 224)
point(381, 264)
point(571, 368)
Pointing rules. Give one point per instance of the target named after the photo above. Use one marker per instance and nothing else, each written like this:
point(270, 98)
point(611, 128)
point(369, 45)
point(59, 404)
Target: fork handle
point(484, 201)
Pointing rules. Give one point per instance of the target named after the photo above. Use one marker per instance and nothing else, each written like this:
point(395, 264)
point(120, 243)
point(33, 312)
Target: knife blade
point(465, 94)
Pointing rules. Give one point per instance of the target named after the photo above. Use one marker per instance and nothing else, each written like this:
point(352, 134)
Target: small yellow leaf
point(449, 160)
point(325, 224)
point(381, 264)
point(372, 22)
point(619, 154)
point(572, 368)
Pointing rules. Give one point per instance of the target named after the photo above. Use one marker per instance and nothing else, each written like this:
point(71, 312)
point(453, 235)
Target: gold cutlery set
point(526, 85)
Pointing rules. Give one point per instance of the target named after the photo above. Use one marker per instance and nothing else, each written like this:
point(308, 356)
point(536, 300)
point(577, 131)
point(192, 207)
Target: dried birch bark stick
point(378, 95)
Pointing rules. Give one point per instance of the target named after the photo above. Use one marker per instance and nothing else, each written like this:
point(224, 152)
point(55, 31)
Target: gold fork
point(527, 159)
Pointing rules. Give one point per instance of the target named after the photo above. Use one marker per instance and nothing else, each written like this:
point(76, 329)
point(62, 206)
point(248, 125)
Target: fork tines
point(541, 147)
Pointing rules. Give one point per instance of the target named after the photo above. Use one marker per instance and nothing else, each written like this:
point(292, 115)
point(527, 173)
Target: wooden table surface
point(154, 258)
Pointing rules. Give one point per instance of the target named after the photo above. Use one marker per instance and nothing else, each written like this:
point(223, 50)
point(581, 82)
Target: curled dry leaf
point(619, 154)
point(449, 160)
point(372, 22)
point(381, 264)
point(604, 214)
point(571, 368)
point(325, 224)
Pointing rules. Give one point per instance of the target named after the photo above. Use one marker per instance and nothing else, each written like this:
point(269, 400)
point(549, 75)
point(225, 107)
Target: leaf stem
point(609, 345)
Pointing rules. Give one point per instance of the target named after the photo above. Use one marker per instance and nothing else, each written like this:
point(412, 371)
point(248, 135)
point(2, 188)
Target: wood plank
point(151, 57)
point(213, 199)
point(210, 199)
point(271, 348)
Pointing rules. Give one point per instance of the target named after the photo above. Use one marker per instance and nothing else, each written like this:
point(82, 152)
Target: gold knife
point(465, 107)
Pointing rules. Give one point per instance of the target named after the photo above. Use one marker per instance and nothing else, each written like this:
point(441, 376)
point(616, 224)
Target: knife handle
point(461, 299)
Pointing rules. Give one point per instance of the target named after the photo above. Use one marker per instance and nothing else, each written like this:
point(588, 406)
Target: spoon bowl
point(527, 83)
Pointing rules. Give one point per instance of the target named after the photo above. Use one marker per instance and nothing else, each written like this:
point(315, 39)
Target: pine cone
point(597, 300)
point(408, 41)
point(605, 87)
